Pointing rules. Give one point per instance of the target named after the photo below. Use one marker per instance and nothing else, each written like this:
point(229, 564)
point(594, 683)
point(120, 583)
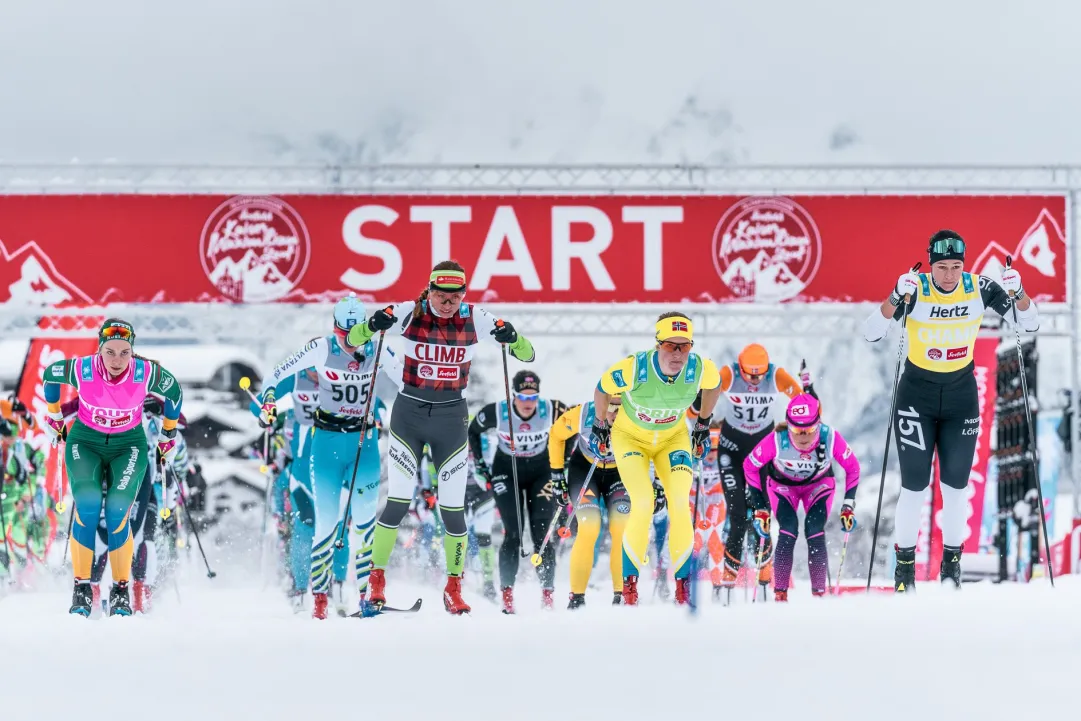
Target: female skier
point(796, 463)
point(440, 334)
point(108, 435)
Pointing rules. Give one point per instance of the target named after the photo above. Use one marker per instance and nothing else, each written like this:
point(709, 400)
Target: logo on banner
point(254, 249)
point(31, 278)
point(766, 249)
point(1039, 248)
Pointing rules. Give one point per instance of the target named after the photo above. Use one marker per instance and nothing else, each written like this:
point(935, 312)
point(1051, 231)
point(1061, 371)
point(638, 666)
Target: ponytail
point(418, 309)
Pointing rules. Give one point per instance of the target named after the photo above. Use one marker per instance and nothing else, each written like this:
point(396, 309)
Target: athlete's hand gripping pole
point(564, 530)
point(339, 542)
point(1033, 450)
point(513, 453)
point(889, 430)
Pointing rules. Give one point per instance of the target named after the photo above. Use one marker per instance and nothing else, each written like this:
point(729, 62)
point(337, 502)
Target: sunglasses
point(676, 347)
point(753, 377)
point(528, 396)
point(949, 245)
point(807, 431)
point(447, 296)
point(117, 331)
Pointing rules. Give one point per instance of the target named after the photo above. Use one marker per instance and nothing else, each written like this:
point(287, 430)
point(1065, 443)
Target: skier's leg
point(588, 518)
point(363, 507)
point(505, 500)
point(818, 511)
point(784, 510)
point(672, 460)
point(126, 469)
point(540, 499)
point(408, 425)
point(328, 459)
point(618, 504)
point(85, 468)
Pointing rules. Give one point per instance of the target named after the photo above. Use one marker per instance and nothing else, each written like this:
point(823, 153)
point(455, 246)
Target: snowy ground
point(231, 650)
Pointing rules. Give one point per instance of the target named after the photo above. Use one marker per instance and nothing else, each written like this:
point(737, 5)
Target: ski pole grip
point(1009, 264)
point(908, 296)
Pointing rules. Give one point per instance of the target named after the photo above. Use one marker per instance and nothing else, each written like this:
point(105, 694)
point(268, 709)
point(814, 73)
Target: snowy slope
point(487, 81)
point(931, 656)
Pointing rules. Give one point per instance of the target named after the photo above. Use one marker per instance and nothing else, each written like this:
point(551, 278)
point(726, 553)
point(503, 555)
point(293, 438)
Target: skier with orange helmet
point(750, 389)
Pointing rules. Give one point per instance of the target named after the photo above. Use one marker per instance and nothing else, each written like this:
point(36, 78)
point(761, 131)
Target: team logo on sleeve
point(680, 460)
point(617, 378)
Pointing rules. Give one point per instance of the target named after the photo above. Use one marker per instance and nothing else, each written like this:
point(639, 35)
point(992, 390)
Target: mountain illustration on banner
point(249, 278)
point(761, 277)
point(30, 278)
point(1039, 249)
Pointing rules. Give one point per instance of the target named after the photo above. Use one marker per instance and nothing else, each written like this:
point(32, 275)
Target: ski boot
point(452, 597)
point(780, 596)
point(489, 591)
point(296, 600)
point(138, 593)
point(950, 571)
point(683, 591)
point(818, 592)
point(904, 575)
point(337, 592)
point(630, 590)
point(765, 575)
point(320, 609)
point(119, 605)
point(578, 600)
point(617, 598)
point(82, 599)
point(729, 576)
point(547, 601)
point(508, 601)
point(377, 584)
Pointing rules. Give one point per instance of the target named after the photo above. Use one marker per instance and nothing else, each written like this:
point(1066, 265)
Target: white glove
point(167, 447)
point(805, 377)
point(1011, 283)
point(907, 284)
point(54, 427)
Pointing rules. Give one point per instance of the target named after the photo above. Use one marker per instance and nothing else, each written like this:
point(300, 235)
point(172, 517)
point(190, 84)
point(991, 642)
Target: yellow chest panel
point(942, 327)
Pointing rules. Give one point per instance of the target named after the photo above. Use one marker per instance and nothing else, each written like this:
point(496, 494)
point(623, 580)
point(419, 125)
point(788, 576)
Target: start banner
point(83, 249)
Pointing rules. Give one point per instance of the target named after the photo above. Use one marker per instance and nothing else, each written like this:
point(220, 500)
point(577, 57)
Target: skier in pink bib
point(794, 467)
point(107, 443)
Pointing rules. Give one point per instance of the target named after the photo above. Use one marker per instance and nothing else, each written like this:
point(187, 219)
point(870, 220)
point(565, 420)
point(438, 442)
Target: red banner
point(137, 248)
point(986, 362)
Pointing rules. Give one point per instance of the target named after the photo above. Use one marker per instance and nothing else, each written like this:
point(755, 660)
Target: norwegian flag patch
point(678, 325)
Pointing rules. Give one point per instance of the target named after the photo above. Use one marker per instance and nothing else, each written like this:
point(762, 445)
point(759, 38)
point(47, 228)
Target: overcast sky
point(491, 80)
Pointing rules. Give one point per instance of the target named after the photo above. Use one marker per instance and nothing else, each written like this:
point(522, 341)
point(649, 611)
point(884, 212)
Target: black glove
point(559, 484)
point(381, 319)
point(18, 406)
point(600, 439)
point(482, 471)
point(700, 437)
point(504, 332)
point(659, 499)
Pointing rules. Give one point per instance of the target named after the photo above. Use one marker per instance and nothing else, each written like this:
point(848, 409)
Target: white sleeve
point(1028, 319)
point(484, 324)
point(876, 327)
point(402, 311)
point(302, 359)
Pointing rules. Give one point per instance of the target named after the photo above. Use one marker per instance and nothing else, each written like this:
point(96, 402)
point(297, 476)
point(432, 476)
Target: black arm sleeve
point(485, 420)
point(994, 297)
point(900, 309)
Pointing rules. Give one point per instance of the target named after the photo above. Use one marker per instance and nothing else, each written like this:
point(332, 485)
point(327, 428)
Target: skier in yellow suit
point(657, 387)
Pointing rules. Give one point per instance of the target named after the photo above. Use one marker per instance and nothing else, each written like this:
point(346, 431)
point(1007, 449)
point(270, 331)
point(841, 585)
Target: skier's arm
point(996, 298)
point(286, 385)
point(787, 384)
point(306, 357)
point(565, 427)
point(361, 333)
point(60, 373)
point(726, 383)
point(485, 420)
point(844, 455)
point(485, 324)
point(710, 388)
point(753, 466)
point(164, 385)
point(612, 383)
point(877, 325)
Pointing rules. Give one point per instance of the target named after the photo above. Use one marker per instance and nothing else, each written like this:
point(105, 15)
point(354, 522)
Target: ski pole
point(513, 452)
point(4, 530)
point(339, 542)
point(692, 597)
point(757, 566)
point(164, 511)
point(1033, 450)
point(194, 528)
point(841, 565)
point(536, 558)
point(889, 430)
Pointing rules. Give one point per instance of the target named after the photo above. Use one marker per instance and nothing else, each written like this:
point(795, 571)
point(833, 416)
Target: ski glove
point(167, 448)
point(805, 379)
point(504, 332)
point(907, 284)
point(660, 501)
point(848, 517)
point(268, 412)
point(761, 523)
point(600, 439)
point(700, 437)
point(1011, 283)
point(382, 319)
point(19, 408)
point(54, 427)
point(559, 485)
point(482, 473)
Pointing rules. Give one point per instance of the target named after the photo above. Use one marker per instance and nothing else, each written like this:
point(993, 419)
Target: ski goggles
point(803, 431)
point(448, 281)
point(117, 331)
point(673, 347)
point(527, 396)
point(947, 246)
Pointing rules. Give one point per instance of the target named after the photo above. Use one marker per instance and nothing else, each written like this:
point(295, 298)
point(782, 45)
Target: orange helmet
point(754, 360)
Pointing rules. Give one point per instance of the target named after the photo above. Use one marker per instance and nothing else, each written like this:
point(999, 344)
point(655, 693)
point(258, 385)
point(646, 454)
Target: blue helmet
point(348, 312)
